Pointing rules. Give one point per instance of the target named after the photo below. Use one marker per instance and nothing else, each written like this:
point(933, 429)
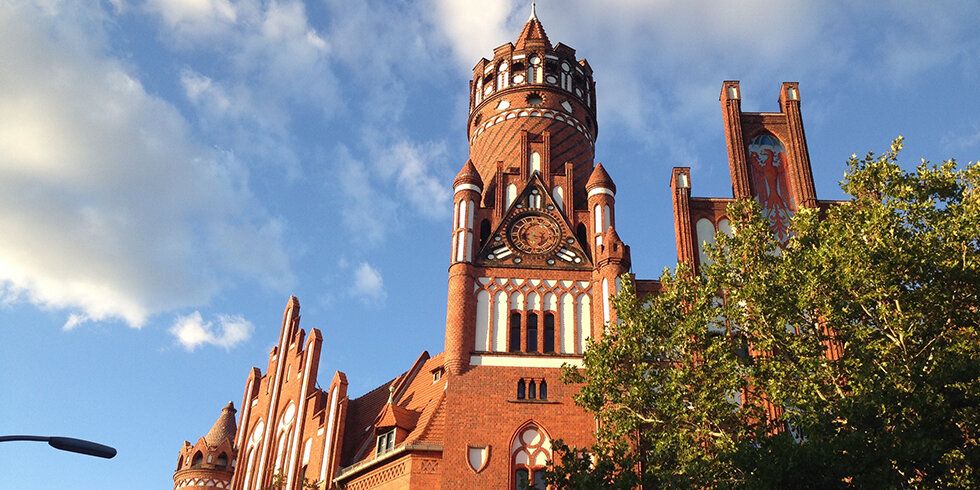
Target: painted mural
point(767, 160)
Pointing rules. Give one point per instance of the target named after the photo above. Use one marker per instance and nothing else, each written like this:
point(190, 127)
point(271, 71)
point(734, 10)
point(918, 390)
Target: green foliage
point(889, 280)
point(279, 483)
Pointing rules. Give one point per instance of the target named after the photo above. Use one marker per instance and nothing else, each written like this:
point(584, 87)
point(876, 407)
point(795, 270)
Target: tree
point(848, 357)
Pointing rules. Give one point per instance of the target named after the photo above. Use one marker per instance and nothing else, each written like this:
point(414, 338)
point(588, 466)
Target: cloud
point(368, 284)
point(191, 331)
point(111, 208)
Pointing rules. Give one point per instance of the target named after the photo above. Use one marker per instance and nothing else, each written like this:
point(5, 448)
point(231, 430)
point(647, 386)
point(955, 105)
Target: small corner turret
point(210, 462)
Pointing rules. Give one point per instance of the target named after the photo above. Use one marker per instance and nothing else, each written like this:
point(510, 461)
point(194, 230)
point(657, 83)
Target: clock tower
point(534, 260)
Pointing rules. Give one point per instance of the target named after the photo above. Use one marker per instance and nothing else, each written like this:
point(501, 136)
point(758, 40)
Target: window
point(549, 332)
point(180, 462)
point(521, 479)
point(532, 332)
point(222, 462)
point(484, 232)
point(437, 374)
point(530, 454)
point(515, 332)
point(198, 460)
point(582, 236)
point(531, 389)
point(386, 442)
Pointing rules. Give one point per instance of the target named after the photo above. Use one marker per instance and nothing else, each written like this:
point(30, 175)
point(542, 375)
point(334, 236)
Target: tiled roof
point(417, 398)
point(600, 178)
point(223, 428)
point(532, 34)
point(468, 175)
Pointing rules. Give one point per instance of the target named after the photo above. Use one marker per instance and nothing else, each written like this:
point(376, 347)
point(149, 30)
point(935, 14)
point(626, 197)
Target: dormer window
point(386, 441)
point(437, 374)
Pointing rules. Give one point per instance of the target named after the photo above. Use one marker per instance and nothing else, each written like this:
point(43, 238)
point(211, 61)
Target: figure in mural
point(767, 163)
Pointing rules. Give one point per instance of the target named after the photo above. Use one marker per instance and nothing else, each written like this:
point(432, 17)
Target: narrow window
point(531, 390)
point(532, 332)
point(180, 461)
point(484, 232)
point(521, 479)
point(543, 390)
point(386, 441)
point(521, 386)
point(539, 482)
point(515, 332)
point(582, 236)
point(549, 332)
point(198, 459)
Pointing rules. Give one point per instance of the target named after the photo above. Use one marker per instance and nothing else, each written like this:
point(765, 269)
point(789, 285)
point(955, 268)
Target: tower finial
point(534, 12)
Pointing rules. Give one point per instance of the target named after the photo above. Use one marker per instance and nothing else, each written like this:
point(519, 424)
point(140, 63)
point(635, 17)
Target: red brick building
point(534, 260)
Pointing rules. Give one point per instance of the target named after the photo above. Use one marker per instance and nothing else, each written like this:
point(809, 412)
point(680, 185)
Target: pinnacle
point(600, 178)
point(223, 428)
point(533, 33)
point(468, 175)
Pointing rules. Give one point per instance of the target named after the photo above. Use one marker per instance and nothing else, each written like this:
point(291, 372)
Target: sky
point(172, 170)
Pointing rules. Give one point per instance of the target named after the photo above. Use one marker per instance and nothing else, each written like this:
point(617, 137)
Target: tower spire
point(534, 11)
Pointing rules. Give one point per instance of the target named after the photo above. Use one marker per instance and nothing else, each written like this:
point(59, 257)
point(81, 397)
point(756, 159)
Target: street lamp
point(69, 444)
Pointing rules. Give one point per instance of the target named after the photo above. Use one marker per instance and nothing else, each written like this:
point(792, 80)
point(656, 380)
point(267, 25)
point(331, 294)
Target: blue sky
point(172, 170)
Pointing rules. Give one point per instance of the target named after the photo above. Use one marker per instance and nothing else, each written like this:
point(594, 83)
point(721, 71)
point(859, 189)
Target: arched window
point(532, 390)
point(198, 460)
point(549, 332)
point(521, 387)
point(180, 462)
point(222, 462)
point(532, 332)
point(515, 332)
point(543, 390)
point(530, 454)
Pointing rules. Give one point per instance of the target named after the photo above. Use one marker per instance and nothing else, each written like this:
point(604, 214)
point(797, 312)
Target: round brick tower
point(209, 464)
point(534, 87)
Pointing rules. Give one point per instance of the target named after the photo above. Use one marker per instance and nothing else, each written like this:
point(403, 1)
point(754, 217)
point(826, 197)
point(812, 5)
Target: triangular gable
point(534, 233)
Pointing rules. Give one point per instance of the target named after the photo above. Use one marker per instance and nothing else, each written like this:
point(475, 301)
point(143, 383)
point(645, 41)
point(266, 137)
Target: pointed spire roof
point(611, 236)
point(223, 428)
point(533, 33)
point(468, 175)
point(600, 178)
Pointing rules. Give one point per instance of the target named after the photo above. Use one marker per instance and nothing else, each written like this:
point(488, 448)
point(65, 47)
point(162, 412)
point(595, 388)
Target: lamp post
point(69, 444)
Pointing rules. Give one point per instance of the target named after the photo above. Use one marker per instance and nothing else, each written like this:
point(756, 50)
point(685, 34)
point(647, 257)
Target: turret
point(467, 188)
point(531, 85)
point(210, 462)
point(602, 203)
point(612, 260)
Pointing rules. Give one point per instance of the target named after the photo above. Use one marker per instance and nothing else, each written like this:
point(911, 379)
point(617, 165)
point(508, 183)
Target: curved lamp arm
point(69, 444)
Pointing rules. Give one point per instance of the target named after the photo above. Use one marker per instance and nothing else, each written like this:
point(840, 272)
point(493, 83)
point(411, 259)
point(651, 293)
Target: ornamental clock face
point(534, 234)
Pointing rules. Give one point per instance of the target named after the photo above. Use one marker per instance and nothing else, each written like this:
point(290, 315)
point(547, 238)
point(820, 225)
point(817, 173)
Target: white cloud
point(111, 208)
point(473, 28)
point(191, 331)
point(194, 17)
point(368, 285)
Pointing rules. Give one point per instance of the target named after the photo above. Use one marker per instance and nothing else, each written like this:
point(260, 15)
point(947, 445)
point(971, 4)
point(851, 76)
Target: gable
point(534, 233)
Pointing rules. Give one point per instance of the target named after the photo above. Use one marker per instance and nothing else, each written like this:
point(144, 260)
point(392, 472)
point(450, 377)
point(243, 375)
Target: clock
point(534, 234)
